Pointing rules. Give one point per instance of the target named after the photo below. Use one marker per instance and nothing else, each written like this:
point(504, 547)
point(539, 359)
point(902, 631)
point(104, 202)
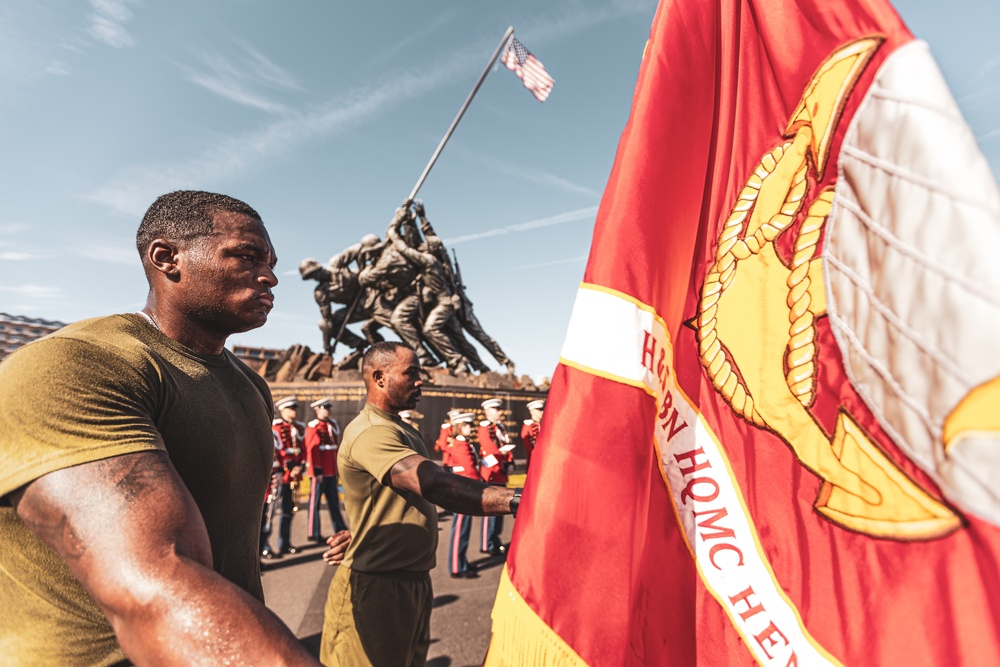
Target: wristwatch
point(515, 502)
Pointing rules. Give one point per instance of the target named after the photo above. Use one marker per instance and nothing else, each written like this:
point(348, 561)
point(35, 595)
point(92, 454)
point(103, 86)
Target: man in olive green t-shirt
point(379, 603)
point(129, 517)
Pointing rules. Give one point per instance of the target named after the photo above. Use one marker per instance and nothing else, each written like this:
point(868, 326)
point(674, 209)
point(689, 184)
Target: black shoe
point(468, 574)
point(498, 551)
point(267, 554)
point(291, 551)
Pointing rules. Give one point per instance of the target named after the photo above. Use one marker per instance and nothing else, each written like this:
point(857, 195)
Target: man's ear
point(162, 256)
point(377, 375)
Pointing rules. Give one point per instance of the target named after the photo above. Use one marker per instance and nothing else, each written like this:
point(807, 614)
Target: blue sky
point(322, 115)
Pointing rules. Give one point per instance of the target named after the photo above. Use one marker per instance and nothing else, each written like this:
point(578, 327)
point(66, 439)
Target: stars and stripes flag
point(520, 60)
point(773, 435)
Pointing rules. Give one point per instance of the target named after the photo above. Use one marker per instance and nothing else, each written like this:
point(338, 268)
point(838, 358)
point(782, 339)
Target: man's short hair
point(380, 355)
point(184, 215)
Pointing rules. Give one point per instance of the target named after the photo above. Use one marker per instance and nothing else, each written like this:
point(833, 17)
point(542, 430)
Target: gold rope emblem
point(756, 321)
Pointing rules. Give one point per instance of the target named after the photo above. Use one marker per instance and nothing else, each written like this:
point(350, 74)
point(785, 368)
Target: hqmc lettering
point(704, 489)
point(701, 487)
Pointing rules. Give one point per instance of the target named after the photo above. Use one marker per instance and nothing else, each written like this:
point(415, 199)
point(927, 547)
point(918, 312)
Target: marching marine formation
point(408, 284)
point(496, 459)
point(322, 441)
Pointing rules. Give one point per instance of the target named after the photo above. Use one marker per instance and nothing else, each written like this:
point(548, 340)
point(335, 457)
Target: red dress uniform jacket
point(529, 435)
point(442, 445)
point(493, 436)
point(290, 453)
point(322, 442)
point(463, 458)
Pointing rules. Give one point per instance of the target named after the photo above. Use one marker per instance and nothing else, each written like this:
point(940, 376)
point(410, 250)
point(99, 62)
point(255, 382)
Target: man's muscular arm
point(131, 533)
point(452, 492)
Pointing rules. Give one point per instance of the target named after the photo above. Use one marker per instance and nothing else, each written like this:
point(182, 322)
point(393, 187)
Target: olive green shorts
point(383, 620)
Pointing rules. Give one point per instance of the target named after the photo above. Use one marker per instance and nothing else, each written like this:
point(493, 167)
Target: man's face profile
point(402, 380)
point(227, 276)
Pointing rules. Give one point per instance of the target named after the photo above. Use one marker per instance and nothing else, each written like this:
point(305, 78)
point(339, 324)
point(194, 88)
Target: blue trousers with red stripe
point(491, 533)
point(325, 488)
point(461, 530)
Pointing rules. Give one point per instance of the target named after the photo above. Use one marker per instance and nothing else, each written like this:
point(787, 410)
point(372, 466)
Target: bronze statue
point(406, 284)
point(465, 316)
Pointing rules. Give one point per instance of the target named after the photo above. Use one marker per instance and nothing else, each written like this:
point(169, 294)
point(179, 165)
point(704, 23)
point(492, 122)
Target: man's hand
point(338, 543)
point(418, 206)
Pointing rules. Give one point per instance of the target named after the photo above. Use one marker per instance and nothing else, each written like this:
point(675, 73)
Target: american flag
point(527, 67)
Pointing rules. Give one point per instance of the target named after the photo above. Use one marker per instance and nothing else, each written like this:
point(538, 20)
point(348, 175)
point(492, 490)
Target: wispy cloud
point(223, 160)
point(988, 67)
point(989, 136)
point(35, 291)
point(14, 227)
point(534, 175)
point(562, 218)
point(106, 22)
point(24, 256)
point(109, 254)
point(388, 53)
point(131, 193)
point(58, 68)
point(570, 260)
point(239, 81)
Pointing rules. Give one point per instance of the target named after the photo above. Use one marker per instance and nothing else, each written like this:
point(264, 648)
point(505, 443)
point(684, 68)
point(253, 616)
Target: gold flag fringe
point(521, 638)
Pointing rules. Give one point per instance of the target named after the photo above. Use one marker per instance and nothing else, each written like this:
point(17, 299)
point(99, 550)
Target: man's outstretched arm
point(452, 492)
point(131, 533)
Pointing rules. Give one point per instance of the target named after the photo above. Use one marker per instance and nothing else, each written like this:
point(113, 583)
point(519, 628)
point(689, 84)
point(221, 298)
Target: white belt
point(327, 447)
point(296, 450)
point(458, 469)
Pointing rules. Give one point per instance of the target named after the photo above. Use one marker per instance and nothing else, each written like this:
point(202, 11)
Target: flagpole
point(461, 112)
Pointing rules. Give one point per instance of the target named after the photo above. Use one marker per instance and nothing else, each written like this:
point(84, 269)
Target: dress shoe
point(498, 551)
point(291, 551)
point(267, 554)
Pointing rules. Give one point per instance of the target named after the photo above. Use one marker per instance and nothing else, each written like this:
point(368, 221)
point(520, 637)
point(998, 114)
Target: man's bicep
point(115, 522)
point(404, 474)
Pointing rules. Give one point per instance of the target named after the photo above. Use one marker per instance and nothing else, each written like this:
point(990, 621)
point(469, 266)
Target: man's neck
point(178, 327)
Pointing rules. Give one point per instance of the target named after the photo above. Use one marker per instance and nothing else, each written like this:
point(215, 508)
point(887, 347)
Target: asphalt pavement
point(295, 589)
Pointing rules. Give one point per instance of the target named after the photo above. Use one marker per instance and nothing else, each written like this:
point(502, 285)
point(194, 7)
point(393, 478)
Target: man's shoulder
point(485, 423)
point(314, 423)
point(529, 422)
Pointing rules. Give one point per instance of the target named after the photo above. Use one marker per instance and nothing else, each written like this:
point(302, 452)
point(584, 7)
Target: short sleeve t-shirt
point(102, 388)
point(392, 530)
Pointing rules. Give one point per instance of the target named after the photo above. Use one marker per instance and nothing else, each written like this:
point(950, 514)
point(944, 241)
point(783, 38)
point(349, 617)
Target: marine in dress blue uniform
point(291, 455)
point(464, 463)
point(496, 458)
point(321, 444)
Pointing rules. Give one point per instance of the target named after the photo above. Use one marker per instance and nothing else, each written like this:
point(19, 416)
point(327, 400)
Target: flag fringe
point(521, 638)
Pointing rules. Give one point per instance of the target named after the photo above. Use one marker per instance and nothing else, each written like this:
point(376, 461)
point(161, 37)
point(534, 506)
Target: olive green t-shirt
point(391, 530)
point(101, 388)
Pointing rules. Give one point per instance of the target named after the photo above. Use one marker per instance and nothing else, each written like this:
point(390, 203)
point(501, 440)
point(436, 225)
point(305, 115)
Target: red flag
point(772, 436)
